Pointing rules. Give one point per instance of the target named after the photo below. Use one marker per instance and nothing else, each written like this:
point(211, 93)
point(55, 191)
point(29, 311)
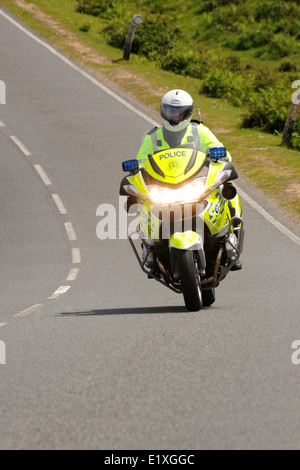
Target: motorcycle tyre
point(208, 297)
point(191, 288)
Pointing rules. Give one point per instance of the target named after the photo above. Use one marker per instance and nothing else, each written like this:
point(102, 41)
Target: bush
point(184, 64)
point(250, 38)
point(232, 63)
point(263, 79)
point(85, 27)
point(280, 47)
point(295, 142)
point(93, 7)
point(287, 67)
point(155, 37)
point(268, 109)
point(218, 84)
point(291, 27)
point(274, 9)
point(115, 33)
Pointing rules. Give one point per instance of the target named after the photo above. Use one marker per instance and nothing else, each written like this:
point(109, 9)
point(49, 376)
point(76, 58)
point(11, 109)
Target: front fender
point(186, 241)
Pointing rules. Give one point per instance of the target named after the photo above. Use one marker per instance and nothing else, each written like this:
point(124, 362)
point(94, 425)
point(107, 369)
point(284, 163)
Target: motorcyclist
point(178, 129)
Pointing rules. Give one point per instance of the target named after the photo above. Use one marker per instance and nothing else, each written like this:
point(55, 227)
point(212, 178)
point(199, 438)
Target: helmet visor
point(176, 114)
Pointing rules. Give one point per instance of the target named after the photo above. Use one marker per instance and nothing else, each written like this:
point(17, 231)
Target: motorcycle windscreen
point(174, 165)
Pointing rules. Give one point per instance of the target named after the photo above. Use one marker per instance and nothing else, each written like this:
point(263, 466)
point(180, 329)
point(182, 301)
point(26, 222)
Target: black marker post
point(137, 19)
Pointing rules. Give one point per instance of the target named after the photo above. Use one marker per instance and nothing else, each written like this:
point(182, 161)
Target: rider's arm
point(207, 138)
point(145, 149)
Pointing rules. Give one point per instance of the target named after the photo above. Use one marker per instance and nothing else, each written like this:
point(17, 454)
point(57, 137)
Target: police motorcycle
point(190, 227)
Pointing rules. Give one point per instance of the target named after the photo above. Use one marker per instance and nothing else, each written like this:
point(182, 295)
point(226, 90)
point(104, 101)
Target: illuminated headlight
point(189, 193)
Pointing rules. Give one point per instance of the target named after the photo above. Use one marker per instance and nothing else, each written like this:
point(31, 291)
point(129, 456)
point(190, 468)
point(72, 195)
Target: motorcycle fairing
point(186, 240)
point(174, 165)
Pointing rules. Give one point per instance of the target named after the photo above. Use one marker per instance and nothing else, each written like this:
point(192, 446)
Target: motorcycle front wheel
point(190, 280)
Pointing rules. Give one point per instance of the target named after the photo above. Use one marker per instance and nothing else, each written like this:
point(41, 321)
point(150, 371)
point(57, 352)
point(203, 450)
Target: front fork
point(187, 241)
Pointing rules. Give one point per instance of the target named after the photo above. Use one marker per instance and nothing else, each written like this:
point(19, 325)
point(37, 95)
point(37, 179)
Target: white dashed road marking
point(70, 231)
point(76, 256)
point(73, 274)
point(43, 175)
point(61, 290)
point(59, 204)
point(21, 146)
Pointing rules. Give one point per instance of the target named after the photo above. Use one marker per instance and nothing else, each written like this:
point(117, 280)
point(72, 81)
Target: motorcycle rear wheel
point(190, 281)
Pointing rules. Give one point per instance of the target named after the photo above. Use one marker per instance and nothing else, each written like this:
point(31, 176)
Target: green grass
point(257, 154)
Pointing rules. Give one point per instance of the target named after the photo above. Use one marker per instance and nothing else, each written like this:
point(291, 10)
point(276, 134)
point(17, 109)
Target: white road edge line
point(53, 51)
point(70, 231)
point(268, 216)
point(28, 311)
point(19, 144)
point(76, 256)
point(61, 290)
point(59, 204)
point(43, 175)
point(2, 124)
point(2, 324)
point(73, 274)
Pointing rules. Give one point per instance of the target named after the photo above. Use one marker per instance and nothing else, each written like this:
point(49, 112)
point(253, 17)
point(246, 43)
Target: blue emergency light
point(130, 165)
point(217, 152)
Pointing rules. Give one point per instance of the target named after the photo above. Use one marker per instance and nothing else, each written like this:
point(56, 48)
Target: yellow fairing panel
point(173, 163)
point(139, 183)
point(184, 240)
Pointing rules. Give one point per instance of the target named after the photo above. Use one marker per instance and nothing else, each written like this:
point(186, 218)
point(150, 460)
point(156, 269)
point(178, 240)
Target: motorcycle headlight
point(188, 193)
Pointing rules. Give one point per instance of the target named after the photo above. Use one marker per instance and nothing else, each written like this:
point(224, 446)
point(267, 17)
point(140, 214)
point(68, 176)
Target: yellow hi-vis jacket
point(196, 135)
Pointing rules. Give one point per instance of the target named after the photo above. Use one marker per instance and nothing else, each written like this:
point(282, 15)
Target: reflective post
point(292, 116)
point(137, 19)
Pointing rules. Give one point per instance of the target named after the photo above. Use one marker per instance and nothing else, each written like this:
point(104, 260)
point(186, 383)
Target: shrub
point(115, 33)
point(268, 109)
point(175, 61)
point(93, 7)
point(232, 63)
point(155, 37)
point(287, 66)
point(180, 63)
point(295, 142)
point(218, 84)
point(263, 79)
point(85, 27)
point(280, 48)
point(291, 27)
point(249, 38)
point(274, 9)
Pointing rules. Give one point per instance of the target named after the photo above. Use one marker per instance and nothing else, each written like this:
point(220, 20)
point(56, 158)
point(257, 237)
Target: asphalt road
point(97, 356)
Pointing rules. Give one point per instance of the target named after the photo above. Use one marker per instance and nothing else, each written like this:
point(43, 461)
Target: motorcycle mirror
point(233, 173)
point(229, 191)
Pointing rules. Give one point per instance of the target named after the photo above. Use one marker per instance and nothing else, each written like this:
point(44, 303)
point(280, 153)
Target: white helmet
point(176, 110)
